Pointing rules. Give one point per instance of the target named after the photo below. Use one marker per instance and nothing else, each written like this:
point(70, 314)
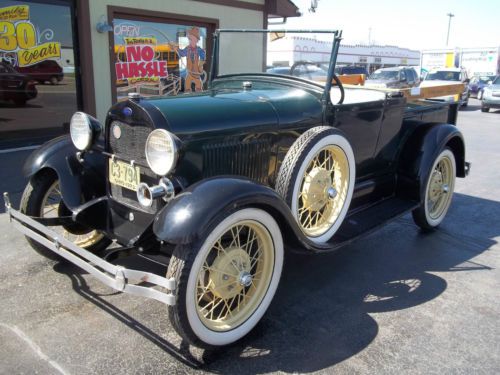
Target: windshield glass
point(497, 81)
point(304, 55)
point(485, 79)
point(442, 75)
point(385, 75)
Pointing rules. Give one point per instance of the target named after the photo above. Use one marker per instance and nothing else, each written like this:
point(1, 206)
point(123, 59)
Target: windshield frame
point(337, 37)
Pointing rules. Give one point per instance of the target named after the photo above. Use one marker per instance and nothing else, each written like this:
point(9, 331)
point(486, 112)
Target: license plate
point(124, 174)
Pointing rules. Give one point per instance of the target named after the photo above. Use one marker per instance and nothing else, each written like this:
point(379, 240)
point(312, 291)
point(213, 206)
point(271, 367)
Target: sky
point(418, 24)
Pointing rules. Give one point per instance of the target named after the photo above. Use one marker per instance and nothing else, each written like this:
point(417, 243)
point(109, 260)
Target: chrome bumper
point(116, 277)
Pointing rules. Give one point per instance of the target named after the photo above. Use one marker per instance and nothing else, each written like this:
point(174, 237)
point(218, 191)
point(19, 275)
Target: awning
point(281, 8)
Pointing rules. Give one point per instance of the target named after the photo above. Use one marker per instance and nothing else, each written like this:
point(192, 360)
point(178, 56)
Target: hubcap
point(235, 276)
point(438, 197)
point(323, 191)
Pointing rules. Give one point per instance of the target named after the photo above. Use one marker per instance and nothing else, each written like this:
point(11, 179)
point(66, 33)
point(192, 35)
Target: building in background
point(291, 49)
point(60, 56)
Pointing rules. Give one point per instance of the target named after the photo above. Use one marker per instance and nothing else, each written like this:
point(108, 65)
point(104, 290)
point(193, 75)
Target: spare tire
point(316, 179)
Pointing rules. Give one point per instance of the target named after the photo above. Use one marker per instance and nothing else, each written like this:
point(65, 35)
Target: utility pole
point(449, 24)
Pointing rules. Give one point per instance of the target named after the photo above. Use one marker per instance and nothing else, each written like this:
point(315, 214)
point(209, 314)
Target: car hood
point(493, 87)
point(236, 111)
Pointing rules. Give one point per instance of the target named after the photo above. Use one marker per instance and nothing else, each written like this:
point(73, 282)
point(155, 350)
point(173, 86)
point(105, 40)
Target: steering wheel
point(341, 88)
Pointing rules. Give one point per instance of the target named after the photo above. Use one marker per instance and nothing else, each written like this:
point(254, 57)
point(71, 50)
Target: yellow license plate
point(124, 174)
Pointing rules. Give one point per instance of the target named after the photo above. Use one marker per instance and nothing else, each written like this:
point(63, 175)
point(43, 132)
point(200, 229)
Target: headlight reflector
point(80, 129)
point(161, 151)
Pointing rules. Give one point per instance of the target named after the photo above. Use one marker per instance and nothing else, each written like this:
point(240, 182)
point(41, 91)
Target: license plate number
point(124, 175)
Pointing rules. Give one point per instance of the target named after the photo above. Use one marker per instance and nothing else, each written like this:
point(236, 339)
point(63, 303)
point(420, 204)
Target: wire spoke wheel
point(227, 279)
point(235, 276)
point(439, 189)
point(51, 207)
point(323, 190)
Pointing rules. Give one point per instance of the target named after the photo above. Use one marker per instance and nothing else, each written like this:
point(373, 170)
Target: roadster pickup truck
point(220, 183)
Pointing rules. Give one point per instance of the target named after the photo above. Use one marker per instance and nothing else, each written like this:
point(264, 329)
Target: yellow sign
point(39, 53)
point(15, 13)
point(139, 40)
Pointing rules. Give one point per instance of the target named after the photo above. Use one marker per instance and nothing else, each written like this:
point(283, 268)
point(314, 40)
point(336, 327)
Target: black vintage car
point(220, 183)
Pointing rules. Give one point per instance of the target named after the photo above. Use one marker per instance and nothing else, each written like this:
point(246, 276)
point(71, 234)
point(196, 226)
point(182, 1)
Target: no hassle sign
point(140, 64)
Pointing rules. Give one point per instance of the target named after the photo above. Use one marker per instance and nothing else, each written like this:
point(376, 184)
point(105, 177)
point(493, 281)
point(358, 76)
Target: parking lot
point(396, 301)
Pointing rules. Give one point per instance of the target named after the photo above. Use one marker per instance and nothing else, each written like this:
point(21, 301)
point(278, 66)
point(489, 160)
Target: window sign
point(37, 72)
point(153, 58)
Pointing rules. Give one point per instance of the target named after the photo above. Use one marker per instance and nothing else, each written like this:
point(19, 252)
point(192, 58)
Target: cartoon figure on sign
point(195, 57)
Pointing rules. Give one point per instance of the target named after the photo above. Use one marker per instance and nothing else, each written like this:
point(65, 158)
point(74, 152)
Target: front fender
point(189, 216)
point(77, 178)
point(420, 152)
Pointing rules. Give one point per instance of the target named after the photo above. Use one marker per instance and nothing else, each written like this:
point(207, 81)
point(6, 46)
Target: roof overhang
point(281, 9)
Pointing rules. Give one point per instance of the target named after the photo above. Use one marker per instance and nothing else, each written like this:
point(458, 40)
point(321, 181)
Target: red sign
point(140, 63)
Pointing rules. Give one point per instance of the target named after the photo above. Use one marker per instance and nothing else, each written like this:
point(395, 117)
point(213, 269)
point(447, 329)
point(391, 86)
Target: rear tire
point(35, 203)
point(485, 109)
point(438, 192)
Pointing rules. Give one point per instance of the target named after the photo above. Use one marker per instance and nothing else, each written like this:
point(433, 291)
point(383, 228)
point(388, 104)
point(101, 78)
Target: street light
point(449, 23)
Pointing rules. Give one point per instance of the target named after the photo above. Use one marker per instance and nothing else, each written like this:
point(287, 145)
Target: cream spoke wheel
point(224, 294)
point(50, 209)
point(227, 279)
point(439, 189)
point(323, 190)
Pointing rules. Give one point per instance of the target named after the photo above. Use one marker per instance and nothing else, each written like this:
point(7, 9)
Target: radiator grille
point(249, 159)
point(130, 145)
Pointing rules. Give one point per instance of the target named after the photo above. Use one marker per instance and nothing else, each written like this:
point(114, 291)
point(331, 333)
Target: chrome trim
point(114, 276)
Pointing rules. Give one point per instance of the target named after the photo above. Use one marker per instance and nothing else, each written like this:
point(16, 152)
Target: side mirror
point(467, 80)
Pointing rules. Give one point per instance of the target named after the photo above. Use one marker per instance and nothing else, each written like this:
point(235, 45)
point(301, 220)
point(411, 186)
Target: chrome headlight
point(161, 151)
point(82, 128)
point(487, 92)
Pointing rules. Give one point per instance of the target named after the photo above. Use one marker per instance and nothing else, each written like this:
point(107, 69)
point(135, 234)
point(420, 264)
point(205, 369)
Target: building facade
point(60, 56)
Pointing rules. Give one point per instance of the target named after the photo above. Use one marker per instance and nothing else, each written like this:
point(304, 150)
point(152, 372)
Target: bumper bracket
point(114, 276)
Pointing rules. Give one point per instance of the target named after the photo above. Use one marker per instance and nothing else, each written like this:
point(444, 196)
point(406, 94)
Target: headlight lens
point(80, 129)
point(161, 151)
point(487, 92)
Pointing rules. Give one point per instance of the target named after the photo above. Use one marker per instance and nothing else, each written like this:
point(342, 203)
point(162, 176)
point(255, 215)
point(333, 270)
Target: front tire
point(485, 109)
point(316, 180)
point(438, 192)
point(226, 282)
point(42, 198)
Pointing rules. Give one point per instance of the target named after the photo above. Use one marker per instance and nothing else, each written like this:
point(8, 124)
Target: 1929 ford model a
point(221, 182)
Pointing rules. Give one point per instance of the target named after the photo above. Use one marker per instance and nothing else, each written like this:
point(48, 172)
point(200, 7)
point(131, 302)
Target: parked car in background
point(398, 77)
point(478, 83)
point(44, 71)
point(491, 95)
point(15, 86)
point(443, 76)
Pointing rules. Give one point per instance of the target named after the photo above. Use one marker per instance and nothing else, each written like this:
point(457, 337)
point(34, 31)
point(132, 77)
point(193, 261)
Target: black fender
point(192, 213)
point(78, 178)
point(419, 152)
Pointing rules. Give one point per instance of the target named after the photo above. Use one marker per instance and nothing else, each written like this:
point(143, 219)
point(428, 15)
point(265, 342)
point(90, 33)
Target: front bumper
point(114, 276)
point(491, 102)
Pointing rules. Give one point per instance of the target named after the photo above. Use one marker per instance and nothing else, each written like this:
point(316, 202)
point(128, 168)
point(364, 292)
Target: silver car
point(491, 95)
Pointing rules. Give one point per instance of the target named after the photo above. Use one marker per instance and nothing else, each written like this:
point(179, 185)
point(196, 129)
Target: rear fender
point(420, 152)
point(78, 178)
point(189, 216)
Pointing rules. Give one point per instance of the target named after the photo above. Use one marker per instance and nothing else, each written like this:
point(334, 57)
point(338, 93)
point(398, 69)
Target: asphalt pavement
point(396, 301)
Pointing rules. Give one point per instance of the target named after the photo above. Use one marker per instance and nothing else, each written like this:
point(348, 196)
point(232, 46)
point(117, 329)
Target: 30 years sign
point(20, 39)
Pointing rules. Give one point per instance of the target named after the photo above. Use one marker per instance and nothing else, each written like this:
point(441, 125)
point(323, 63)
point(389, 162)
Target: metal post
point(449, 24)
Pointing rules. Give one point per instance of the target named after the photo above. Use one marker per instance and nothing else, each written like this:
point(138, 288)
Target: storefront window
point(37, 70)
point(156, 58)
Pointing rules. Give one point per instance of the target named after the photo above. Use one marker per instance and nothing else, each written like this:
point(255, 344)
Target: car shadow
point(320, 315)
point(470, 108)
